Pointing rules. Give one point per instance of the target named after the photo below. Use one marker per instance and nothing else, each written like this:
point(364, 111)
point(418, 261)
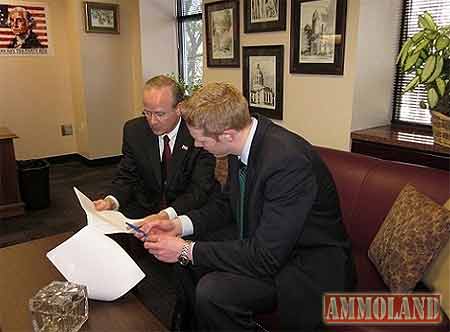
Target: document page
point(90, 258)
point(107, 222)
point(93, 259)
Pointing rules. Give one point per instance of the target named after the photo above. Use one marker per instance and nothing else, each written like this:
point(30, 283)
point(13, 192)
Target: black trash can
point(34, 183)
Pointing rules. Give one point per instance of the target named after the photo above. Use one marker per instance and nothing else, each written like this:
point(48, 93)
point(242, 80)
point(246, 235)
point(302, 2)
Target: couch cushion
point(437, 276)
point(412, 234)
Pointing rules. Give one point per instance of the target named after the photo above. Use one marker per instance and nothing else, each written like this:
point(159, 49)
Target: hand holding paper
point(107, 221)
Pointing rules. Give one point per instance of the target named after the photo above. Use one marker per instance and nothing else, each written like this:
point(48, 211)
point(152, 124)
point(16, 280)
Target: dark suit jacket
point(138, 181)
point(292, 221)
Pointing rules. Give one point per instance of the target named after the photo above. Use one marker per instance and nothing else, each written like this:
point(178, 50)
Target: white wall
point(158, 37)
point(378, 36)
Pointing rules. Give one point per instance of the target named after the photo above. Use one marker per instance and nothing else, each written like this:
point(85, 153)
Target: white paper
point(90, 258)
point(107, 222)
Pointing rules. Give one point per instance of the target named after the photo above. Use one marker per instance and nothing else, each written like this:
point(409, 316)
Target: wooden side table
point(401, 143)
point(10, 203)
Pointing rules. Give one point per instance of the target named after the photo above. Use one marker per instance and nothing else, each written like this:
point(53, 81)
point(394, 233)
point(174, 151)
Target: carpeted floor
point(65, 214)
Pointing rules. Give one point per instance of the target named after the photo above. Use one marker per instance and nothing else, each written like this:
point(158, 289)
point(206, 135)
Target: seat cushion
point(437, 276)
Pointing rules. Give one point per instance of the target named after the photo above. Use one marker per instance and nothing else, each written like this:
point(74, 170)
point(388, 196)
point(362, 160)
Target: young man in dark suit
point(288, 245)
point(161, 170)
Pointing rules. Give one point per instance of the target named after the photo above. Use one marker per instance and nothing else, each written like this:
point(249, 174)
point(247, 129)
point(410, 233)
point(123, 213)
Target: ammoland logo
point(381, 308)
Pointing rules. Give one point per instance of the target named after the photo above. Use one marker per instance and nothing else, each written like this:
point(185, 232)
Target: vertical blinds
point(406, 106)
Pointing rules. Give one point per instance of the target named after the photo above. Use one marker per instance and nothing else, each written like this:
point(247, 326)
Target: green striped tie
point(240, 213)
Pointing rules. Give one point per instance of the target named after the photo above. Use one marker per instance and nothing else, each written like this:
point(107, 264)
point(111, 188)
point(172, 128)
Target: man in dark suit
point(161, 171)
point(288, 245)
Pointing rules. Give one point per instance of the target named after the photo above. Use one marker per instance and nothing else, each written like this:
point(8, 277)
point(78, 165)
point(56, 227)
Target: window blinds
point(406, 106)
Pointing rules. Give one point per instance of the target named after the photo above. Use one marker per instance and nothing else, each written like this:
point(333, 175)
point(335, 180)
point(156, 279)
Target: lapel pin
point(184, 147)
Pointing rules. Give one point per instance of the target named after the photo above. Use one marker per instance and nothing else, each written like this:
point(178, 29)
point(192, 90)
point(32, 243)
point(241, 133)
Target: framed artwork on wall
point(101, 17)
point(262, 79)
point(24, 29)
point(264, 15)
point(318, 36)
point(222, 34)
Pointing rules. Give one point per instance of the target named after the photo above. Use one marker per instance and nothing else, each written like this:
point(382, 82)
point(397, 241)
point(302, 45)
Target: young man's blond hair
point(215, 108)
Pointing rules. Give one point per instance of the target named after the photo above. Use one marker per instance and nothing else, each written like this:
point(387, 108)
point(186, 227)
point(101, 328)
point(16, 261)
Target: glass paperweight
point(59, 307)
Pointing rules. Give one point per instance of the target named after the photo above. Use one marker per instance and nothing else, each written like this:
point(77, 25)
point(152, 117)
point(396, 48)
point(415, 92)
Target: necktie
point(240, 216)
point(166, 157)
point(165, 166)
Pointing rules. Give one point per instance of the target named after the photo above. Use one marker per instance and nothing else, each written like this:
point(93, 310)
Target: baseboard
point(89, 162)
point(101, 161)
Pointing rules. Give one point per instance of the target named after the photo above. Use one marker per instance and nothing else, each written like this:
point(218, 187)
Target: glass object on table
point(59, 307)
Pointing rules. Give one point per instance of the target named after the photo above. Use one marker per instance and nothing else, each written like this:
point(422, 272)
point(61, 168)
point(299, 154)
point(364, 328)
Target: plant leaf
point(428, 68)
point(423, 24)
point(429, 19)
point(431, 34)
point(411, 61)
point(437, 69)
point(440, 83)
point(418, 36)
point(442, 42)
point(404, 51)
point(412, 84)
point(432, 98)
point(421, 45)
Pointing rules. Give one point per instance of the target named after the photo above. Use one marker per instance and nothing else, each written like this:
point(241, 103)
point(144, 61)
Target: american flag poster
point(23, 28)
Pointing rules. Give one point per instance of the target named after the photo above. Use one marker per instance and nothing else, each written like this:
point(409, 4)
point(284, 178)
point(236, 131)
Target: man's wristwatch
point(183, 259)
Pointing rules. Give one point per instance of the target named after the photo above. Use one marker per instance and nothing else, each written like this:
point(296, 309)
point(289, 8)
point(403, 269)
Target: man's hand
point(153, 217)
point(165, 248)
point(104, 204)
point(161, 227)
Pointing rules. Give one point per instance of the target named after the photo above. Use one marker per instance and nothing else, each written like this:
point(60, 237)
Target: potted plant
point(427, 55)
point(188, 87)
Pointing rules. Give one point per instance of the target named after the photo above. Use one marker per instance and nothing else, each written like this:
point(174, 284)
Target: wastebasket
point(34, 183)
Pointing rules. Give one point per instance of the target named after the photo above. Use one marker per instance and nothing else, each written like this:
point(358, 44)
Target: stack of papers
point(91, 258)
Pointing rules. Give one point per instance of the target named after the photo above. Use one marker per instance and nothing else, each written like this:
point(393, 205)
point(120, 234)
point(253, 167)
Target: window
point(406, 106)
point(190, 40)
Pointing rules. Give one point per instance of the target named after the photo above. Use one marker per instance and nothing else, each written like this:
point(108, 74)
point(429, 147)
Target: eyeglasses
point(158, 115)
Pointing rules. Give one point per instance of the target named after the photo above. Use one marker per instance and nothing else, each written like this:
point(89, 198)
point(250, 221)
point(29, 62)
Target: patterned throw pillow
point(413, 233)
point(437, 276)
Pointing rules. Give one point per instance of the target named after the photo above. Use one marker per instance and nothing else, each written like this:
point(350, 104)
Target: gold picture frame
point(101, 17)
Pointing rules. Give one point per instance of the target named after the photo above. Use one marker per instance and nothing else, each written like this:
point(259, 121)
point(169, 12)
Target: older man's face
point(19, 23)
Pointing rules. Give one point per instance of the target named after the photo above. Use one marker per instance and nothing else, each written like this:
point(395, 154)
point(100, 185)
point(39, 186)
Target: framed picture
point(264, 15)
point(262, 79)
point(222, 34)
point(101, 17)
point(318, 36)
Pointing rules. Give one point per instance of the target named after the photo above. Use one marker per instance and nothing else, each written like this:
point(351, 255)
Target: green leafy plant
point(188, 87)
point(427, 55)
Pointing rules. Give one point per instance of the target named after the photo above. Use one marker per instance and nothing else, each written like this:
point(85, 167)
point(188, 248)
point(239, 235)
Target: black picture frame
point(307, 25)
point(258, 63)
point(261, 24)
point(219, 52)
point(108, 22)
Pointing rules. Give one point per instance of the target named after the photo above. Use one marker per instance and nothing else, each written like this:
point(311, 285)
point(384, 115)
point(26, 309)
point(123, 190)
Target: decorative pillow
point(413, 233)
point(437, 276)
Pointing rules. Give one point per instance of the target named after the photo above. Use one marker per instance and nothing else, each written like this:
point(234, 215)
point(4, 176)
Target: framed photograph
point(222, 34)
point(318, 36)
point(264, 15)
point(262, 79)
point(101, 17)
